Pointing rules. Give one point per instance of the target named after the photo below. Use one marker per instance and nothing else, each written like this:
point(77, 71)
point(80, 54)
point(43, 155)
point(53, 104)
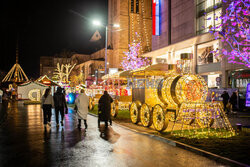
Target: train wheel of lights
point(114, 108)
point(160, 120)
point(91, 103)
point(135, 112)
point(146, 115)
point(205, 118)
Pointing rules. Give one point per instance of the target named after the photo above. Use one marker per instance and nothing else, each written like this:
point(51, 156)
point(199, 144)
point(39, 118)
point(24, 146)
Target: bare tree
point(68, 69)
point(59, 74)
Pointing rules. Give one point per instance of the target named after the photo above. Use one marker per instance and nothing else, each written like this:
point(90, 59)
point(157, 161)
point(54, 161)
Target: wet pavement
point(24, 142)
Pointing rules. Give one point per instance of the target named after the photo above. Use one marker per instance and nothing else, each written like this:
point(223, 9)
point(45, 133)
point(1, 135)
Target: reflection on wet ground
point(24, 142)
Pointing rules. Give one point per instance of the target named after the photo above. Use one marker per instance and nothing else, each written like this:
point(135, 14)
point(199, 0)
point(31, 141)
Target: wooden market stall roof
point(45, 80)
point(32, 82)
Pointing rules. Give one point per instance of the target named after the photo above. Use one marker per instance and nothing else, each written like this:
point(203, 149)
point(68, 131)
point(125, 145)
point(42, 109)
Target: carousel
point(14, 77)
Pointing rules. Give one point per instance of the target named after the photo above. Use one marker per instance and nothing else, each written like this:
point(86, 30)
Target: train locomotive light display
point(177, 103)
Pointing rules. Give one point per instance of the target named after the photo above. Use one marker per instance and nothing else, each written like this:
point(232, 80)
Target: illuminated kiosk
point(116, 85)
point(45, 80)
point(167, 100)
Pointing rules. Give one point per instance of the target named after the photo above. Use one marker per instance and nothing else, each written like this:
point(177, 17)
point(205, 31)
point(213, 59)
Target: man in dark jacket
point(234, 100)
point(225, 97)
point(60, 104)
point(104, 109)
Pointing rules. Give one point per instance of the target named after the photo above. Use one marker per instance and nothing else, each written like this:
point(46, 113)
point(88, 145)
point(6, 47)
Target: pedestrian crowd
point(229, 103)
point(58, 102)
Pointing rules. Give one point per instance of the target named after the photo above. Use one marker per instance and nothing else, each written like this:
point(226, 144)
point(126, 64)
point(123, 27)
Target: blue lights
point(70, 98)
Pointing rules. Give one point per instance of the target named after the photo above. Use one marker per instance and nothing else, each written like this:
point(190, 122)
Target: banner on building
point(156, 4)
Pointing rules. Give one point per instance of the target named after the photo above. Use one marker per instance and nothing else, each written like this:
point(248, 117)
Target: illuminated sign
point(156, 17)
point(46, 82)
point(36, 92)
point(248, 95)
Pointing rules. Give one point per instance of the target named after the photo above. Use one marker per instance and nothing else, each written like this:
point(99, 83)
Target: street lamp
point(98, 23)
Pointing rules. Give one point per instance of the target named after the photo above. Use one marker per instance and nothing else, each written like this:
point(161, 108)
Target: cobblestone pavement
point(24, 142)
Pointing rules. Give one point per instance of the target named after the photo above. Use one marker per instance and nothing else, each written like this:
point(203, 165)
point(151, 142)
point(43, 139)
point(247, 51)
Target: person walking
point(47, 105)
point(82, 103)
point(60, 105)
point(1, 95)
point(225, 97)
point(104, 109)
point(233, 101)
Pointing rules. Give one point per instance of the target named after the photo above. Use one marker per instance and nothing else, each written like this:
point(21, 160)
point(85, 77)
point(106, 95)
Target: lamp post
point(98, 23)
point(106, 48)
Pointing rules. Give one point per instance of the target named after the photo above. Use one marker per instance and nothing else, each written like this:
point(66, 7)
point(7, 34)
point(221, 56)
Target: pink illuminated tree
point(132, 60)
point(234, 32)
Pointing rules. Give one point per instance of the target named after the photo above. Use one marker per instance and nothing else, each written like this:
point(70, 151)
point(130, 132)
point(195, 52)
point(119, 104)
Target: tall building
point(49, 64)
point(135, 20)
point(184, 26)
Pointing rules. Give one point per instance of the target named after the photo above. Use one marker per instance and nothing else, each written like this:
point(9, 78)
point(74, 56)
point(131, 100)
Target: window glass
point(137, 6)
point(205, 55)
point(217, 18)
point(207, 15)
point(200, 9)
point(209, 20)
point(217, 1)
point(200, 23)
point(209, 3)
point(132, 6)
point(199, 1)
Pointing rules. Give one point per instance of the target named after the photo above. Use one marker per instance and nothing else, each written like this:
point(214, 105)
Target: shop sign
point(240, 74)
point(248, 95)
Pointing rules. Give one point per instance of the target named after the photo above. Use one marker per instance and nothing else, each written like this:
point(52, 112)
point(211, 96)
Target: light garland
point(234, 32)
point(38, 94)
point(132, 60)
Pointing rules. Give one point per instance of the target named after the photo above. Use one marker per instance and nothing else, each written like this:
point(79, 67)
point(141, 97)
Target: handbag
point(229, 106)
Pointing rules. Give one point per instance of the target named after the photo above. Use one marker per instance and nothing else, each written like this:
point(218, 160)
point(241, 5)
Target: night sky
point(47, 27)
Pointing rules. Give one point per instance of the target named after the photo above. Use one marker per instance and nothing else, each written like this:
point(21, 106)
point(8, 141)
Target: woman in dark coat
point(104, 109)
point(233, 101)
point(225, 97)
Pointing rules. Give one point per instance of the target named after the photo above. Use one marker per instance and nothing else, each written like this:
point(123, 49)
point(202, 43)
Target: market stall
point(31, 90)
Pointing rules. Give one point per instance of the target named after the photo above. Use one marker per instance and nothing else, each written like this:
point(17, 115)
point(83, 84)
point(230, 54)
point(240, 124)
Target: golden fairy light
point(16, 73)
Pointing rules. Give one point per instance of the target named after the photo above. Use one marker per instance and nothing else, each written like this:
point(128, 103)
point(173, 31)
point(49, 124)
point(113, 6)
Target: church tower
point(135, 20)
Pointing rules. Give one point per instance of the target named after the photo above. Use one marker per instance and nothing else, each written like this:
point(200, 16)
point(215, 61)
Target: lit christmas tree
point(132, 60)
point(234, 32)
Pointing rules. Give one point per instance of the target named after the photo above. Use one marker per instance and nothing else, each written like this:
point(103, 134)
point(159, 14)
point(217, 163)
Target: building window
point(137, 6)
point(205, 54)
point(132, 6)
point(207, 15)
point(161, 60)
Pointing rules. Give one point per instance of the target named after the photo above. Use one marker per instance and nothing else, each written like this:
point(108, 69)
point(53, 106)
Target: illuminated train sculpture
point(175, 98)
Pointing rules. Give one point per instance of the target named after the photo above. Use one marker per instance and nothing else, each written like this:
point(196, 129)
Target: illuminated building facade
point(135, 20)
point(183, 28)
